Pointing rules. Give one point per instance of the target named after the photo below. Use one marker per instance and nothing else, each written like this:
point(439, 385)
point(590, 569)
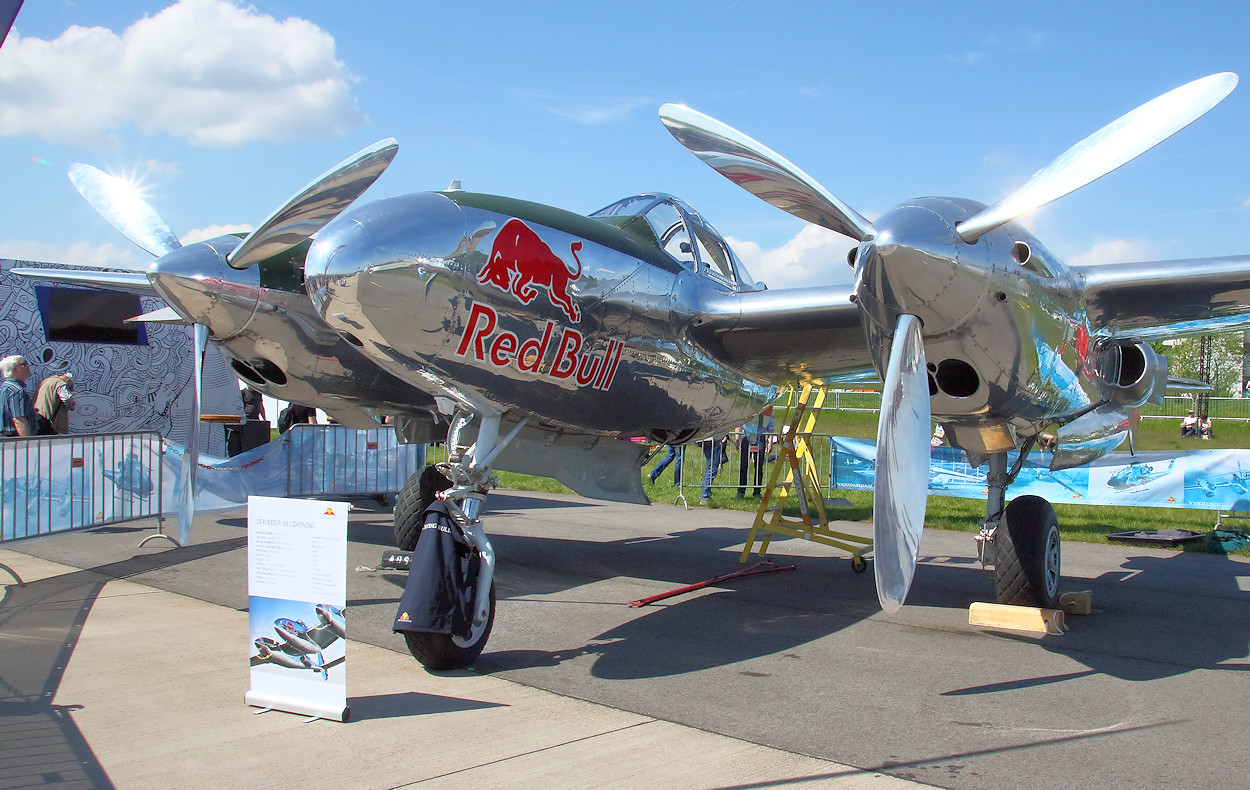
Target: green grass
point(1086, 523)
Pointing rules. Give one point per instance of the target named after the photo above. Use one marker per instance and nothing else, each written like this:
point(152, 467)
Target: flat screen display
point(88, 315)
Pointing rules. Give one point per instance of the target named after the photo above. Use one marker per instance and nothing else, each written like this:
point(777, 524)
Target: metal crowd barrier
point(1173, 406)
point(331, 460)
point(731, 473)
point(1176, 406)
point(58, 483)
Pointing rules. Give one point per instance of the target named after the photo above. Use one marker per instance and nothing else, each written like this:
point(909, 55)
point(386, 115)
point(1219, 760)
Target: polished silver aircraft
point(543, 341)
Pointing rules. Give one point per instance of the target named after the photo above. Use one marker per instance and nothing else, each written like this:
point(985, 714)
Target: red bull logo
point(520, 262)
point(569, 362)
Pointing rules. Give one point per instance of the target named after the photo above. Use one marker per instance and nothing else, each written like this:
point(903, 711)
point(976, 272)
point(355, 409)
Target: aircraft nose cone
point(913, 266)
point(199, 284)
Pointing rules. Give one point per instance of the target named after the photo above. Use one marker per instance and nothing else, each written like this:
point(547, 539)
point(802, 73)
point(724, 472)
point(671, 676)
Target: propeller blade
point(318, 203)
point(191, 456)
point(120, 205)
point(1113, 145)
point(902, 489)
point(761, 171)
point(165, 315)
point(129, 282)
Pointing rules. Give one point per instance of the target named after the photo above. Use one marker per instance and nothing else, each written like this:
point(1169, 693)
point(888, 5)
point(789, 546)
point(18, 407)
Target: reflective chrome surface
point(1015, 340)
point(1156, 300)
point(762, 172)
point(1118, 142)
point(901, 492)
point(589, 325)
point(119, 203)
point(312, 207)
point(1011, 342)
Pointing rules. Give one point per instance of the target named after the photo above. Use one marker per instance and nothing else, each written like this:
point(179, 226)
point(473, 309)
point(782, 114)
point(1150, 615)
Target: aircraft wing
point(323, 635)
point(780, 335)
point(129, 282)
point(1161, 299)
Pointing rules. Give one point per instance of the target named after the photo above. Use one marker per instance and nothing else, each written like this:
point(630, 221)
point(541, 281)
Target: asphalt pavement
point(126, 667)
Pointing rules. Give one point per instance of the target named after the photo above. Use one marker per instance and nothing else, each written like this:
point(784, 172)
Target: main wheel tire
point(441, 652)
point(410, 503)
point(1027, 554)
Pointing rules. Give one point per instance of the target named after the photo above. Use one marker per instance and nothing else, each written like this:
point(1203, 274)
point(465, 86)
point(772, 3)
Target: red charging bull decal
point(520, 260)
point(568, 363)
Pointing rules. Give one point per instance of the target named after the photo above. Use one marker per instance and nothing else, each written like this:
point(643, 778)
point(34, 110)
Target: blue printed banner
point(1199, 479)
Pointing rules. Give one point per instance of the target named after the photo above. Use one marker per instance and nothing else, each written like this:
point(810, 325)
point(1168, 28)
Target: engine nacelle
point(1143, 376)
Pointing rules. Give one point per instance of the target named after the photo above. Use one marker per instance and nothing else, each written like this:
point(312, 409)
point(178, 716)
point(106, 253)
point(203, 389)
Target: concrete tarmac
point(126, 667)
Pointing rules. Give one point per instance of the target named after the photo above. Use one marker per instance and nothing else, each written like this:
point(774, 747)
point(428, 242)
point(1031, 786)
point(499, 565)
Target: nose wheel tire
point(410, 504)
point(1027, 554)
point(442, 652)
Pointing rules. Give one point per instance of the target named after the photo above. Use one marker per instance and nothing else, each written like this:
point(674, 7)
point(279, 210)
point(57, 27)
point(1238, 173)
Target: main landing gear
point(461, 483)
point(1020, 539)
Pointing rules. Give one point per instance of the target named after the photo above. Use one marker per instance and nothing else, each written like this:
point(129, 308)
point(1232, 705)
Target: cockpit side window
point(681, 233)
point(713, 253)
point(670, 229)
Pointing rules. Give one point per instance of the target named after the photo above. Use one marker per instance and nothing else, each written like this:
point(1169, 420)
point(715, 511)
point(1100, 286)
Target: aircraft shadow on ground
point(1145, 625)
point(501, 503)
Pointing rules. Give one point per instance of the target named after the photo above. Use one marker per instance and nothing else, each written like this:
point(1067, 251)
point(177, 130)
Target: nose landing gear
point(446, 499)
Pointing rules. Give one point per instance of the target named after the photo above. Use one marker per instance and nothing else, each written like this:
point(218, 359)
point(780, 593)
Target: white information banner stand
point(297, 594)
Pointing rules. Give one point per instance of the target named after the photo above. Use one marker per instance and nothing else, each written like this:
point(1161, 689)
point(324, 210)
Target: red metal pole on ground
point(767, 566)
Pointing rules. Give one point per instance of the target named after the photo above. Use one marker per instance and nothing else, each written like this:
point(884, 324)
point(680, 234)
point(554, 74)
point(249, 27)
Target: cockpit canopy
point(677, 229)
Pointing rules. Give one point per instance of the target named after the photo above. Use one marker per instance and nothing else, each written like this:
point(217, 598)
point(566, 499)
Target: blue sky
point(224, 110)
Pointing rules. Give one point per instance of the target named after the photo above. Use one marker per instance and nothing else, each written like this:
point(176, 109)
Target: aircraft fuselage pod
point(504, 306)
point(1008, 343)
point(262, 320)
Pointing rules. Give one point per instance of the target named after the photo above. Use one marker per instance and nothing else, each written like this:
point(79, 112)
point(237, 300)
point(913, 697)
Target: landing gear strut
point(1020, 539)
point(461, 483)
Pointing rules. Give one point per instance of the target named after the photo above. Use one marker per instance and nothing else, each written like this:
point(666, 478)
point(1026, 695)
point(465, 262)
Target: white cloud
point(212, 232)
point(1114, 251)
point(594, 114)
point(815, 256)
point(79, 253)
point(159, 167)
point(210, 71)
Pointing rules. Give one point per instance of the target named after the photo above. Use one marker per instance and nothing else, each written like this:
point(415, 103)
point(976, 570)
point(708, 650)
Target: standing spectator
point(253, 405)
point(714, 454)
point(754, 440)
point(55, 399)
point(17, 412)
point(673, 454)
point(253, 409)
point(294, 414)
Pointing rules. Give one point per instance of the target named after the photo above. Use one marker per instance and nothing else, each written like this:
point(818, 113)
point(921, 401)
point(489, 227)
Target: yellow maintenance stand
point(796, 474)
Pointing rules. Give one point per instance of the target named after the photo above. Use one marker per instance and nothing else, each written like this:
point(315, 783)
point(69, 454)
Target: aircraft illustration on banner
point(1138, 474)
point(1238, 481)
point(300, 647)
point(538, 340)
